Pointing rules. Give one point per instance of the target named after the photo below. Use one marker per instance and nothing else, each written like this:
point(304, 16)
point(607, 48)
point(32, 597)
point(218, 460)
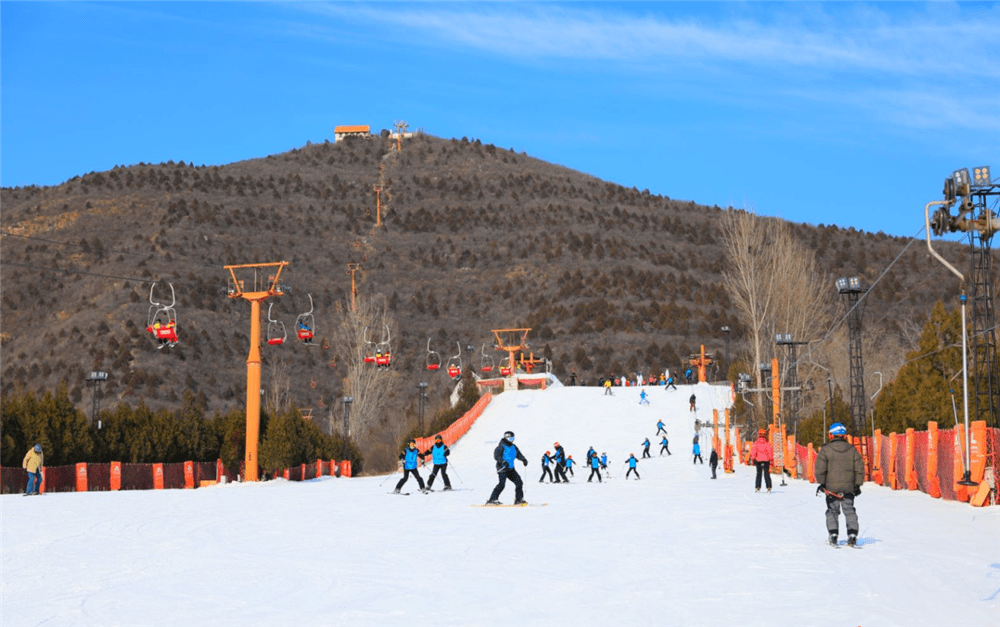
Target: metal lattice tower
point(851, 288)
point(986, 378)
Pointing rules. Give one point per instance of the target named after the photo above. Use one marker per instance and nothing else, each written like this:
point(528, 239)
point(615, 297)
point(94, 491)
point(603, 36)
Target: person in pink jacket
point(762, 455)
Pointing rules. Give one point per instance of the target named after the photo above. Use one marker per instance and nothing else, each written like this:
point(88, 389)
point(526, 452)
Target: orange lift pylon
point(511, 340)
point(351, 269)
point(401, 127)
point(378, 205)
point(263, 288)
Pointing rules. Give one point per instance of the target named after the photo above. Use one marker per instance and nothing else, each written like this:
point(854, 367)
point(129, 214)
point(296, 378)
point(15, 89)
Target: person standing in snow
point(761, 454)
point(505, 454)
point(569, 466)
point(604, 462)
point(632, 463)
point(546, 460)
point(409, 458)
point(660, 427)
point(670, 384)
point(840, 471)
point(687, 375)
point(439, 453)
point(607, 387)
point(645, 448)
point(696, 452)
point(713, 461)
point(560, 460)
point(595, 468)
point(664, 446)
point(642, 398)
point(34, 459)
point(692, 399)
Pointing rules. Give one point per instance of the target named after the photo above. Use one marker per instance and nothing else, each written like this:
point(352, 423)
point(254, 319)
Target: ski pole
point(387, 477)
point(452, 465)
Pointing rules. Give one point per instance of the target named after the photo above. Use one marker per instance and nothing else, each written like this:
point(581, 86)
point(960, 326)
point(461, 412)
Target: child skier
point(545, 467)
point(439, 453)
point(505, 454)
point(645, 448)
point(569, 466)
point(696, 451)
point(595, 468)
point(660, 427)
point(409, 458)
point(632, 463)
point(642, 398)
point(664, 446)
point(670, 384)
point(604, 463)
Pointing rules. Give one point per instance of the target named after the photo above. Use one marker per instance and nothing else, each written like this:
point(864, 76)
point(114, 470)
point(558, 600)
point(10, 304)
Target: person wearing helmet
point(569, 466)
point(409, 459)
point(660, 427)
point(32, 464)
point(761, 454)
point(546, 460)
point(840, 471)
point(664, 446)
point(595, 468)
point(604, 462)
point(696, 452)
point(439, 453)
point(645, 448)
point(505, 454)
point(633, 464)
point(560, 460)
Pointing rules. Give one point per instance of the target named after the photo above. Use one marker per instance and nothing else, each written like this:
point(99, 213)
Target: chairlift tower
point(981, 222)
point(851, 288)
point(511, 341)
point(352, 268)
point(263, 287)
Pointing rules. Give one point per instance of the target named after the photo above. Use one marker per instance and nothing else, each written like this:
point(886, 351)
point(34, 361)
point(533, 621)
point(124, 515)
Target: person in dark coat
point(505, 454)
point(560, 459)
point(546, 460)
point(692, 399)
point(713, 461)
point(645, 448)
point(840, 471)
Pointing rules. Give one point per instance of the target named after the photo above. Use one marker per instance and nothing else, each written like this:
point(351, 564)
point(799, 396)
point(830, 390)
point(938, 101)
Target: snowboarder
point(439, 453)
point(569, 466)
point(713, 461)
point(505, 454)
point(660, 427)
point(34, 459)
point(664, 446)
point(642, 398)
point(840, 471)
point(645, 448)
point(692, 399)
point(632, 463)
point(560, 460)
point(409, 458)
point(546, 460)
point(670, 384)
point(595, 468)
point(696, 452)
point(761, 454)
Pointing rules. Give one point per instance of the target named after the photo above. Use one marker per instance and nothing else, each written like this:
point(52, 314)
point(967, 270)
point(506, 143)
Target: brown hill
point(475, 237)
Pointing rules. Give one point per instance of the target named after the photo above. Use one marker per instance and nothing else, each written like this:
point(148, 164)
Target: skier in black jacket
point(560, 460)
point(546, 460)
point(505, 454)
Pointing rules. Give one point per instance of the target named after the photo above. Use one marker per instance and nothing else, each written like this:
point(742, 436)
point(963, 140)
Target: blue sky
point(844, 113)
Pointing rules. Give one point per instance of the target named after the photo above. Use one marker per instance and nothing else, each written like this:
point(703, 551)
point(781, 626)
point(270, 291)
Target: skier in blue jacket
point(505, 454)
point(642, 398)
point(546, 460)
point(660, 427)
point(604, 461)
point(595, 468)
point(632, 464)
point(569, 466)
point(409, 458)
point(439, 453)
point(664, 446)
point(696, 451)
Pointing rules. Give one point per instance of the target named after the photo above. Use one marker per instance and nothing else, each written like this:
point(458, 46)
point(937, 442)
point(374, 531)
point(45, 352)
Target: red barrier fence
point(458, 428)
point(931, 461)
point(114, 476)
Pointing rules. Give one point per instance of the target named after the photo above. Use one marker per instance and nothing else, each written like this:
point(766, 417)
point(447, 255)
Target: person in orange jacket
point(761, 454)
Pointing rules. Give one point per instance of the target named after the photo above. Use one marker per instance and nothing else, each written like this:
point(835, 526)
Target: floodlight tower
point(792, 378)
point(852, 289)
point(262, 289)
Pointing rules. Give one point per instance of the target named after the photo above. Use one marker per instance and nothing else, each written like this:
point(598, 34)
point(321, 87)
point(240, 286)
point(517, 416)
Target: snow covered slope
point(675, 548)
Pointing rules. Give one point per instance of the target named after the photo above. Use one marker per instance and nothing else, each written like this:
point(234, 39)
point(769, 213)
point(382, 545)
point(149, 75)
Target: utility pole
point(351, 269)
point(378, 205)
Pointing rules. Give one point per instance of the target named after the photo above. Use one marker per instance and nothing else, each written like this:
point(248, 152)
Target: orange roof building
point(357, 130)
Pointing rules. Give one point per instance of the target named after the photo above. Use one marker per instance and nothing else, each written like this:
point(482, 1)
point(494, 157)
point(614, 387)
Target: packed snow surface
point(674, 548)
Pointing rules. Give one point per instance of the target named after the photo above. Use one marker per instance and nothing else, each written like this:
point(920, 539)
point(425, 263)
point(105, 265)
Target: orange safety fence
point(460, 427)
point(931, 461)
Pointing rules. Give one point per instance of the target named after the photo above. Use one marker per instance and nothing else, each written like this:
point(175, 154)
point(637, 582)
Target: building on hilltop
point(358, 130)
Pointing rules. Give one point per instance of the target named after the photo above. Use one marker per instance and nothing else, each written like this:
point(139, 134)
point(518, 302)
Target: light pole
point(421, 403)
point(468, 355)
point(94, 381)
point(851, 288)
point(347, 424)
point(726, 331)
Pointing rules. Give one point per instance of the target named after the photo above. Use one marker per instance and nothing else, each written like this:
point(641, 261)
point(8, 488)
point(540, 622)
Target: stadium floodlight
point(782, 338)
point(961, 178)
point(849, 285)
point(981, 176)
